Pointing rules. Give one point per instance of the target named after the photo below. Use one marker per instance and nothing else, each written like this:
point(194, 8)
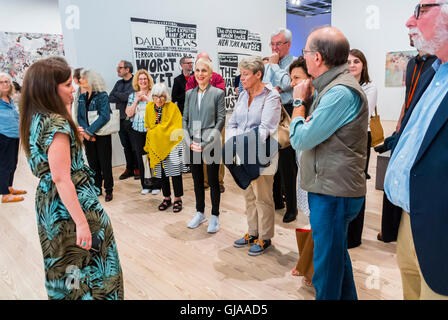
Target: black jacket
point(243, 147)
point(120, 94)
point(417, 63)
point(178, 93)
point(427, 187)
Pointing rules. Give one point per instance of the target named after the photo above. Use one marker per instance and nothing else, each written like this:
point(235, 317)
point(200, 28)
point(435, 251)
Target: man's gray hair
point(286, 32)
point(443, 7)
point(160, 89)
point(334, 52)
point(94, 80)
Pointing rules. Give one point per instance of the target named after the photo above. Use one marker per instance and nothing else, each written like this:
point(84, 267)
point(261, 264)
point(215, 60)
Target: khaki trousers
point(414, 285)
point(260, 208)
point(221, 175)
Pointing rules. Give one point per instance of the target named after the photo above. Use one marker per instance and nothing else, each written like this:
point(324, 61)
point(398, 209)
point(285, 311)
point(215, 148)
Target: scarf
point(158, 137)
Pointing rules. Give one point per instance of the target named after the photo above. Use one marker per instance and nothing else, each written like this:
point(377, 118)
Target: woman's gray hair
point(94, 80)
point(254, 64)
point(286, 32)
point(160, 89)
point(4, 74)
point(11, 87)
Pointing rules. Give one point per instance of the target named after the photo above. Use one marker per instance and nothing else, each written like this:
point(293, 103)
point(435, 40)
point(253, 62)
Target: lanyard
point(414, 84)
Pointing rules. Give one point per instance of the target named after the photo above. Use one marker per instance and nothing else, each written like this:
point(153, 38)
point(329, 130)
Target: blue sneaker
point(198, 219)
point(213, 225)
point(259, 247)
point(244, 241)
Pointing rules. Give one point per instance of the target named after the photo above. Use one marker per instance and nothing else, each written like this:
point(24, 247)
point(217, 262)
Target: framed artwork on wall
point(396, 63)
point(18, 51)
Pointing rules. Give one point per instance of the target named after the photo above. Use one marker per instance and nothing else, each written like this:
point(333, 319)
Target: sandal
point(307, 282)
point(16, 192)
point(11, 198)
point(177, 206)
point(164, 205)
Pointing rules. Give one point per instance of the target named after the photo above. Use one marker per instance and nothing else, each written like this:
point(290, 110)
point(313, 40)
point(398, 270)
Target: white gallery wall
point(376, 27)
point(97, 34)
point(34, 16)
point(103, 35)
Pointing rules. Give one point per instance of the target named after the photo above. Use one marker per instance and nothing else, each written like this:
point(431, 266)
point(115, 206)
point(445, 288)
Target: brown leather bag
point(283, 129)
point(376, 129)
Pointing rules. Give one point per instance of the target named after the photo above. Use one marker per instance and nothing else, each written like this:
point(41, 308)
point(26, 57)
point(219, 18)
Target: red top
point(217, 81)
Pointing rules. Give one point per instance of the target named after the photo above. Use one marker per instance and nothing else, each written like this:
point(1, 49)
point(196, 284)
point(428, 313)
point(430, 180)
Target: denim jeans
point(329, 218)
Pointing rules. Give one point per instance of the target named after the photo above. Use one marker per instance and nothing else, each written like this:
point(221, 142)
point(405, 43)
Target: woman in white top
point(358, 67)
point(135, 112)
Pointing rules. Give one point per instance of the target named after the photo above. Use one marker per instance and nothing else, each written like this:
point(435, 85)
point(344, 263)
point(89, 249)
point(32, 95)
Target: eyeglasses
point(419, 7)
point(306, 51)
point(159, 97)
point(278, 44)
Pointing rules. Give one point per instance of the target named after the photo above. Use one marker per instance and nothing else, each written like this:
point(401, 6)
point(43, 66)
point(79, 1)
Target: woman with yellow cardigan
point(164, 145)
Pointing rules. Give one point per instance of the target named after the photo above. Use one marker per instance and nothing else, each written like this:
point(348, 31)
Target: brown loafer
point(379, 237)
point(108, 196)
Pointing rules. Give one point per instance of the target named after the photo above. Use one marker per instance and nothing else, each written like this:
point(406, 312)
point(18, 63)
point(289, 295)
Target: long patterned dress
point(70, 271)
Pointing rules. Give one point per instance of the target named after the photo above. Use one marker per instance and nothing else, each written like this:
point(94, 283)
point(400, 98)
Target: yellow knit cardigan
point(161, 138)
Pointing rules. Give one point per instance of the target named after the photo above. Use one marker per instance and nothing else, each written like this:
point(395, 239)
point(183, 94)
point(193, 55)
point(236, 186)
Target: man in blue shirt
point(276, 73)
point(333, 141)
point(418, 169)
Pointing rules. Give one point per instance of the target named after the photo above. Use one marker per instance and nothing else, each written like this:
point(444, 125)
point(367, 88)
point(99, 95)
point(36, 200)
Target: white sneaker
point(199, 218)
point(155, 191)
point(213, 225)
point(145, 191)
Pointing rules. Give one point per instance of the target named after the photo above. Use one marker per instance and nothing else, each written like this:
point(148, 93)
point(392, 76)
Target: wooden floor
point(163, 259)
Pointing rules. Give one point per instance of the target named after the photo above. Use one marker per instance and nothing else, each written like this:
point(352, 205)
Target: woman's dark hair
point(299, 63)
point(128, 65)
point(77, 73)
point(365, 71)
point(17, 86)
point(40, 95)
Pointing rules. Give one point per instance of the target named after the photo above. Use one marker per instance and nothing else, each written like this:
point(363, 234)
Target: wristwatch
point(297, 103)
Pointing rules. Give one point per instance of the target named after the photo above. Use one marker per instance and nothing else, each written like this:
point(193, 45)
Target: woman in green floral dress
point(69, 216)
